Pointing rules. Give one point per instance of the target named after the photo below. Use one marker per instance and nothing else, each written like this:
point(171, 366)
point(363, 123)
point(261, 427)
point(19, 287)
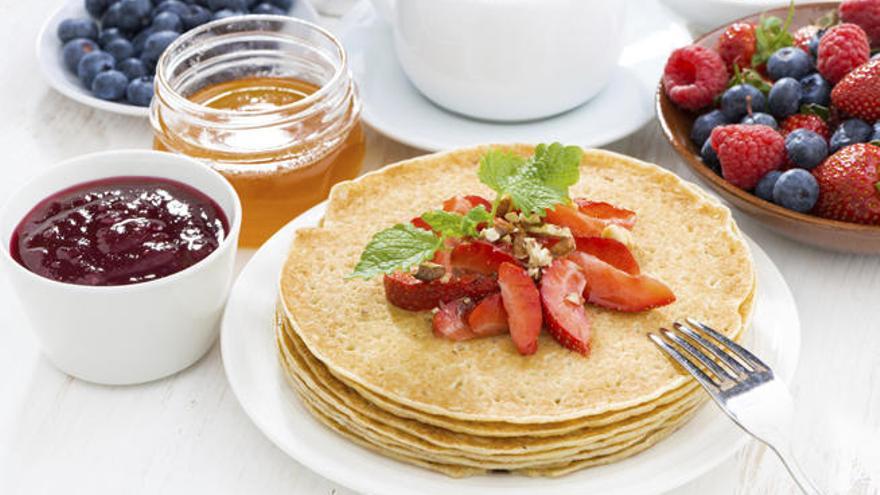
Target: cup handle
point(386, 9)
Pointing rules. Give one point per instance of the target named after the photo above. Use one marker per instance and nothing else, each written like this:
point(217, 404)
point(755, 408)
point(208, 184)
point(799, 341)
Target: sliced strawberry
point(561, 287)
point(407, 292)
point(489, 317)
point(449, 321)
point(615, 253)
point(480, 257)
point(463, 204)
point(607, 212)
point(418, 222)
point(580, 224)
point(523, 305)
point(615, 289)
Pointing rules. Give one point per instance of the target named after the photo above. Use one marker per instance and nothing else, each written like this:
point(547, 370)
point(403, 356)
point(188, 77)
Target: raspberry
point(747, 152)
point(805, 121)
point(843, 48)
point(694, 76)
point(865, 14)
point(736, 45)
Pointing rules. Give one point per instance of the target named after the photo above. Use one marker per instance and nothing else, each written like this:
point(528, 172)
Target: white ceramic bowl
point(65, 82)
point(709, 14)
point(128, 333)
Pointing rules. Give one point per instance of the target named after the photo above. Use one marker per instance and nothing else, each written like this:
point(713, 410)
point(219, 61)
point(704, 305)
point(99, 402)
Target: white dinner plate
point(255, 375)
point(393, 106)
point(65, 82)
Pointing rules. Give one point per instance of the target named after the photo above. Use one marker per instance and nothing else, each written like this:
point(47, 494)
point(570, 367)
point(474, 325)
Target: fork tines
point(716, 361)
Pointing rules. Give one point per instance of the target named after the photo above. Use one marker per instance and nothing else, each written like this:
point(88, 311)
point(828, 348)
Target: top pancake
point(682, 236)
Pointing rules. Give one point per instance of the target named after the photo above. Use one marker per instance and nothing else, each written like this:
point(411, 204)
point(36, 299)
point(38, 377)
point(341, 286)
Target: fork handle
point(782, 447)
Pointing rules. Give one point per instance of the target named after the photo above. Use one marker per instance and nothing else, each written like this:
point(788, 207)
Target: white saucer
point(65, 82)
point(393, 106)
point(255, 376)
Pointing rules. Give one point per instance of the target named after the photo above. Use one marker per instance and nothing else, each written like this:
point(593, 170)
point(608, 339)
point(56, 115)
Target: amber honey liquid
point(276, 175)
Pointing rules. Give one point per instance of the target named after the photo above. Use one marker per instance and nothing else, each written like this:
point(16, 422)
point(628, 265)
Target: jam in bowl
point(122, 262)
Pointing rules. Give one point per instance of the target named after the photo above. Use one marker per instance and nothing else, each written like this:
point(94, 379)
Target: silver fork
point(742, 386)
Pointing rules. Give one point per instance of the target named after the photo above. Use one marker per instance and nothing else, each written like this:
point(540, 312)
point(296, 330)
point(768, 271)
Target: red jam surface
point(117, 231)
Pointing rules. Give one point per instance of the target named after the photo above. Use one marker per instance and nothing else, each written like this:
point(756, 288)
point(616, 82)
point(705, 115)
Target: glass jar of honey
point(270, 103)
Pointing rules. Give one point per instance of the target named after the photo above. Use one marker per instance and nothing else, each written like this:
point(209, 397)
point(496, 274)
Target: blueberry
point(195, 16)
point(139, 39)
point(167, 21)
point(876, 135)
point(116, 17)
point(120, 49)
point(108, 35)
point(764, 189)
point(224, 13)
point(704, 124)
point(790, 61)
point(785, 97)
point(805, 148)
point(267, 8)
point(710, 158)
point(234, 5)
point(140, 91)
point(110, 85)
point(139, 10)
point(77, 28)
point(75, 50)
point(96, 8)
point(155, 44)
point(760, 118)
point(735, 102)
point(284, 5)
point(92, 64)
point(797, 190)
point(133, 68)
point(815, 89)
point(813, 45)
point(850, 132)
point(175, 7)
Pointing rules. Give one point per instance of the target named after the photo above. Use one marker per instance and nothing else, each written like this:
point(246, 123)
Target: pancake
point(318, 385)
point(682, 236)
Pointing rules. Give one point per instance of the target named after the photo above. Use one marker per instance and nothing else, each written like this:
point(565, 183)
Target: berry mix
point(530, 259)
point(114, 53)
point(793, 117)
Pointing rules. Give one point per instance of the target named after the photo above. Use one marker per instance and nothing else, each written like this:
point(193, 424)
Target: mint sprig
point(771, 34)
point(536, 183)
point(454, 225)
point(398, 248)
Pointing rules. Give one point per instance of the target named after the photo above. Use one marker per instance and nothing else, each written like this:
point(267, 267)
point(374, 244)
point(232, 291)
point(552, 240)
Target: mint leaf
point(748, 76)
point(449, 224)
point(815, 109)
point(397, 248)
point(535, 184)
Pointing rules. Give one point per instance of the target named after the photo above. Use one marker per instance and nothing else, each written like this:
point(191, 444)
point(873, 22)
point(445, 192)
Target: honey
point(270, 197)
point(269, 103)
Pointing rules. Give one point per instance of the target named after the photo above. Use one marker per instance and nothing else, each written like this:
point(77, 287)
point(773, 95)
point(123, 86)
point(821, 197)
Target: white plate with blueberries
point(102, 53)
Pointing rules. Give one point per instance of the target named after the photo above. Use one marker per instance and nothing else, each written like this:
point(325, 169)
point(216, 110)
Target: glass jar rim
point(161, 67)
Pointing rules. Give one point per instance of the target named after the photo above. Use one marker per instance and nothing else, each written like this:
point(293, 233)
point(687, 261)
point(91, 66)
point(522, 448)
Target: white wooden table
point(187, 433)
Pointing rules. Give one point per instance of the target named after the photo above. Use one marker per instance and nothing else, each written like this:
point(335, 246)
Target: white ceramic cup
point(133, 333)
point(507, 60)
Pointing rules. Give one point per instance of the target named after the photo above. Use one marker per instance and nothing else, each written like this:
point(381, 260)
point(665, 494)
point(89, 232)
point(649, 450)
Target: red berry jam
point(117, 231)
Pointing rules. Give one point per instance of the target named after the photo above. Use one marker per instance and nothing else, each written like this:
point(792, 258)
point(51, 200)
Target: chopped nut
point(617, 233)
point(534, 272)
point(503, 206)
point(538, 254)
point(532, 219)
point(549, 230)
point(506, 239)
point(428, 271)
point(574, 298)
point(519, 247)
point(490, 234)
point(503, 226)
point(511, 217)
point(563, 247)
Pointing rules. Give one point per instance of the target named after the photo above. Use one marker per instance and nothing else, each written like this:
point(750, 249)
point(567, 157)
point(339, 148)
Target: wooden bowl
point(809, 229)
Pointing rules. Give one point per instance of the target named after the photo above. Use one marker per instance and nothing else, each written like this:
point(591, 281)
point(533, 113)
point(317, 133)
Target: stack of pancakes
point(377, 375)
